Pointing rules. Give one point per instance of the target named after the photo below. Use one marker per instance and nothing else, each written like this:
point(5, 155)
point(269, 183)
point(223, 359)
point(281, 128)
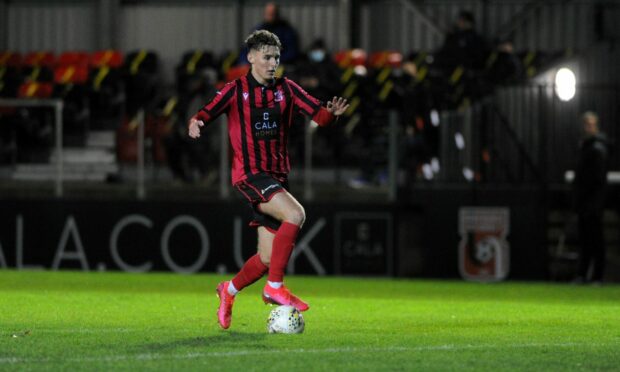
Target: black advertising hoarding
point(418, 239)
point(183, 237)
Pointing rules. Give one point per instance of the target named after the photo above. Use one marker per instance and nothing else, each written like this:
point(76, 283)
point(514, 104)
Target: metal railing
point(57, 105)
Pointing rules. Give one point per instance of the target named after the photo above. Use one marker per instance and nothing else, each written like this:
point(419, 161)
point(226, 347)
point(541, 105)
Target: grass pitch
point(116, 321)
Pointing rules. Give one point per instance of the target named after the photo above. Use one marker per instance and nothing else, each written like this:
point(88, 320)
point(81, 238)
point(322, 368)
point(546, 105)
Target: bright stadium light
point(565, 84)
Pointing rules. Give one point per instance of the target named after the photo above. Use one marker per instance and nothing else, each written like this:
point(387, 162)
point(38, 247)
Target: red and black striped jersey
point(259, 121)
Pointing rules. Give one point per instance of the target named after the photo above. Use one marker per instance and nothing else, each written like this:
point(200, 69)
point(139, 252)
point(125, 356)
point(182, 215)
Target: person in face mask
point(318, 73)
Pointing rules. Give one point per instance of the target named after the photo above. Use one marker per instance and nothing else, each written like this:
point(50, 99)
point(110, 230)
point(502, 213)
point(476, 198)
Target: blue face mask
point(317, 55)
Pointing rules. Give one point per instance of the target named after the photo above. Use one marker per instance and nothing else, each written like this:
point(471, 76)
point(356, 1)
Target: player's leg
point(285, 208)
point(253, 269)
point(256, 266)
point(265, 244)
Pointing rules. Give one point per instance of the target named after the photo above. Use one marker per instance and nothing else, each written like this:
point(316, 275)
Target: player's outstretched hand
point(194, 127)
point(337, 106)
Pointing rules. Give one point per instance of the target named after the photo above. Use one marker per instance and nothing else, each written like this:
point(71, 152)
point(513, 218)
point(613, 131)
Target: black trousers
point(592, 246)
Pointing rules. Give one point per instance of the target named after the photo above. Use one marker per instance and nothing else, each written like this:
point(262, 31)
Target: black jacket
point(591, 175)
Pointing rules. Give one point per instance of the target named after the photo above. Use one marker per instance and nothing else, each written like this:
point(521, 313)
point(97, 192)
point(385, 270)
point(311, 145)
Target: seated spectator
point(318, 73)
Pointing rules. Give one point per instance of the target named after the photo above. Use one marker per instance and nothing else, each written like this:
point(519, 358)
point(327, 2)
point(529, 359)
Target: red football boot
point(224, 312)
point(282, 296)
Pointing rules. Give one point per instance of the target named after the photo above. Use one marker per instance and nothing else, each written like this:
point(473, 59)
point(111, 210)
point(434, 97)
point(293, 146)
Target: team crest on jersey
point(278, 96)
point(246, 95)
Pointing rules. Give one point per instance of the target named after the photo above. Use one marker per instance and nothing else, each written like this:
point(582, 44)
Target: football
point(285, 319)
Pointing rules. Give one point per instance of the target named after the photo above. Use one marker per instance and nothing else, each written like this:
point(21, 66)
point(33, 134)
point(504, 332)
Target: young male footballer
point(260, 110)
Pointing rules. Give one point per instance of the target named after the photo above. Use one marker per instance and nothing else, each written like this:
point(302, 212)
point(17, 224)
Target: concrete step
point(81, 155)
point(71, 172)
point(101, 139)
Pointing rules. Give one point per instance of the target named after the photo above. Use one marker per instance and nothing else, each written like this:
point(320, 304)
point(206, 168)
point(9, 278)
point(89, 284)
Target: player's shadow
point(226, 339)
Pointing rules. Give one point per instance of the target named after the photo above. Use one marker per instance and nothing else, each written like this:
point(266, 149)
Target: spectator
point(590, 186)
point(463, 45)
point(319, 75)
point(504, 66)
point(273, 22)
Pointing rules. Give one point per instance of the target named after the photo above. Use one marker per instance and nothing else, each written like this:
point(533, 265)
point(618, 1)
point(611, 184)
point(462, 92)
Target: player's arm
point(310, 106)
point(214, 108)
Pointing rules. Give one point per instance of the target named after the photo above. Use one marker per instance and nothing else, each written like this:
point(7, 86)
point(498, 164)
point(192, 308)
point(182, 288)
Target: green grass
point(115, 321)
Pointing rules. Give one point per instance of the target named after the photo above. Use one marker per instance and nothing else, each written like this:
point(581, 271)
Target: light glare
point(565, 84)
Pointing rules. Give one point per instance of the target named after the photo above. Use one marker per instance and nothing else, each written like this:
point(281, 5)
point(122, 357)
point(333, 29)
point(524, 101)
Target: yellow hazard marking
point(103, 72)
point(491, 60)
point(421, 73)
point(69, 72)
point(34, 75)
point(387, 88)
point(355, 101)
point(383, 75)
point(228, 61)
point(351, 124)
point(135, 64)
point(346, 76)
point(529, 57)
point(32, 89)
point(172, 102)
point(457, 74)
point(350, 89)
point(191, 64)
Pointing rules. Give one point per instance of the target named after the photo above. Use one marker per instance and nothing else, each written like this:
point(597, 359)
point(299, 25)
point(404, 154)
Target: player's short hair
point(261, 38)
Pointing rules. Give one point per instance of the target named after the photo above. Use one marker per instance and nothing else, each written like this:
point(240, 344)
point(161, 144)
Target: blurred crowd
point(106, 90)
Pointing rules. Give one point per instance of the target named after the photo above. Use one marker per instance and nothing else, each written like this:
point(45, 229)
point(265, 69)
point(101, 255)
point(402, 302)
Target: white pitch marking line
point(81, 330)
point(149, 356)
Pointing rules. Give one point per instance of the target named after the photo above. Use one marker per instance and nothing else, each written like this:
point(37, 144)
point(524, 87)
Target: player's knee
point(297, 216)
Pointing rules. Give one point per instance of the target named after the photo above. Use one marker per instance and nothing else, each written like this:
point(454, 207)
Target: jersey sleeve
point(218, 104)
point(304, 103)
point(308, 105)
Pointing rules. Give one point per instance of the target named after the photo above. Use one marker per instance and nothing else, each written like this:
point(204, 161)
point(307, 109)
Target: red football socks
point(283, 244)
point(252, 270)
